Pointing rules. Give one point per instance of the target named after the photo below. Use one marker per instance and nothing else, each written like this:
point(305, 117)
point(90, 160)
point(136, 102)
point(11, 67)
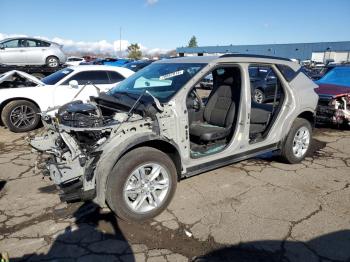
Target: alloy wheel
point(258, 96)
point(301, 142)
point(146, 187)
point(22, 116)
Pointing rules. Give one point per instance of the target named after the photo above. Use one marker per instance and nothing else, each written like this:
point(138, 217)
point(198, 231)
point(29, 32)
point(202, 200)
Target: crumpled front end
point(334, 110)
point(73, 150)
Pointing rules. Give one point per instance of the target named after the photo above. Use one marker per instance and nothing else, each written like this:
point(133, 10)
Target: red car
point(334, 97)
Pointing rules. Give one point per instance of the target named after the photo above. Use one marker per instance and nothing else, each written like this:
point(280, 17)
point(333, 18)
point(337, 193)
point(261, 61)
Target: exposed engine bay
point(78, 133)
point(334, 111)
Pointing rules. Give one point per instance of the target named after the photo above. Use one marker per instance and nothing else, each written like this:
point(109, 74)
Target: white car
point(20, 104)
point(31, 51)
point(74, 61)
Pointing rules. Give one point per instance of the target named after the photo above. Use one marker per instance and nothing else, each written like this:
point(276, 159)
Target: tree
point(193, 42)
point(134, 51)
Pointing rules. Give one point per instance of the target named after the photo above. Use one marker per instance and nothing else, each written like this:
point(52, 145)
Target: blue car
point(108, 61)
point(116, 61)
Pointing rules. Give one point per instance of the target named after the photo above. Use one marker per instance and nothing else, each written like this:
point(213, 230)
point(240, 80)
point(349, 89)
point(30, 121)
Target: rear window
point(287, 72)
point(57, 76)
point(115, 77)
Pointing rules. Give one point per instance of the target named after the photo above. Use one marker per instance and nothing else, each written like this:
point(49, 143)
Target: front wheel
point(297, 143)
point(259, 96)
point(141, 184)
point(20, 116)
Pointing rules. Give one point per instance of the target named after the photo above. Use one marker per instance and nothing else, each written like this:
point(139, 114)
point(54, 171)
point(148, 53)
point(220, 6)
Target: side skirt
point(195, 170)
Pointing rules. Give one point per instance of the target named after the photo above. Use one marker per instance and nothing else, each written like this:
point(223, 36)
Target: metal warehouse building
point(318, 52)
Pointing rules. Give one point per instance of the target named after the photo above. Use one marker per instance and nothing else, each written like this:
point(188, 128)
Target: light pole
point(120, 41)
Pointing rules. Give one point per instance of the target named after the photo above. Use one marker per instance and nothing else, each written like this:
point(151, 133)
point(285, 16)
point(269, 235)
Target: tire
point(123, 176)
point(291, 146)
point(52, 62)
point(258, 96)
point(23, 111)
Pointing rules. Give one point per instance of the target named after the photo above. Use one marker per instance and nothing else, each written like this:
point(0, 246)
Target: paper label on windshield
point(176, 73)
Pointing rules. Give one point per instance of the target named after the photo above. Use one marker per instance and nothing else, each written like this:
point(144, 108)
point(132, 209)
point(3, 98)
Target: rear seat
point(259, 117)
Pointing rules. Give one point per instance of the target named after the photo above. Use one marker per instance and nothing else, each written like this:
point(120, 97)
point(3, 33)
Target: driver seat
point(218, 114)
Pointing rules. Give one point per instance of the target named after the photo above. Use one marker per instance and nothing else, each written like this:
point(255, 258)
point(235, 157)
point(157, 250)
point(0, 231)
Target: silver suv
point(30, 51)
point(128, 148)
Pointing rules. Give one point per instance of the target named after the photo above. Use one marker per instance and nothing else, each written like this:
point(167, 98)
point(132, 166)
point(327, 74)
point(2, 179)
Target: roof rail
point(256, 56)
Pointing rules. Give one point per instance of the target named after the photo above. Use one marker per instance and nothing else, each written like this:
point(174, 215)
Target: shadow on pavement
point(330, 247)
point(84, 242)
point(2, 184)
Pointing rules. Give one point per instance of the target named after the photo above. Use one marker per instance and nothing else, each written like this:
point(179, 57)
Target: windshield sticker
point(65, 72)
point(176, 73)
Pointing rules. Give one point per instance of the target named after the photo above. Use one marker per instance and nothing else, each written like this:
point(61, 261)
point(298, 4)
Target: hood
point(331, 90)
point(8, 77)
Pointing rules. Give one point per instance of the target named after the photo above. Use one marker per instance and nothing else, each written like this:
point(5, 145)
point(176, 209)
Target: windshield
point(57, 76)
point(337, 76)
point(162, 80)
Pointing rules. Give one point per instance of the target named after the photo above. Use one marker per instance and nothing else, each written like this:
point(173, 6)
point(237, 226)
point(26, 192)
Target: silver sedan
point(30, 51)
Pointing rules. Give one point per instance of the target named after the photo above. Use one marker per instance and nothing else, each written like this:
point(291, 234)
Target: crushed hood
point(8, 77)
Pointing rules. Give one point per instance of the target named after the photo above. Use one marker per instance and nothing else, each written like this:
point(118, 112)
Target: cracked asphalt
point(256, 210)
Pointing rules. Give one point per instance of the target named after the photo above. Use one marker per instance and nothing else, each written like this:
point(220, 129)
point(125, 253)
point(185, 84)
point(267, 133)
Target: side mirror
point(2, 46)
point(73, 84)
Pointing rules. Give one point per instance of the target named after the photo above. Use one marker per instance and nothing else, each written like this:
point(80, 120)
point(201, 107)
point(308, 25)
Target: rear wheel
point(297, 143)
point(52, 61)
point(20, 116)
point(141, 184)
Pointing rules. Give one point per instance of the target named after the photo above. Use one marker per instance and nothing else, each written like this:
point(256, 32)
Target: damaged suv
point(129, 147)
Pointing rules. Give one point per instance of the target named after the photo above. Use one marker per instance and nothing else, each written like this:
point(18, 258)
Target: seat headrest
point(228, 81)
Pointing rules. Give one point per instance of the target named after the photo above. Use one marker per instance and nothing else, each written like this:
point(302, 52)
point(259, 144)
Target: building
point(318, 52)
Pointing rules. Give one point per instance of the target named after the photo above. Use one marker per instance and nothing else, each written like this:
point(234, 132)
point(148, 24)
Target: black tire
point(11, 110)
point(122, 170)
point(52, 61)
point(287, 154)
point(261, 94)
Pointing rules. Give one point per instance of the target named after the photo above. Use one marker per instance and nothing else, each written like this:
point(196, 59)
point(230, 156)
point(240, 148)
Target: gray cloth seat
point(218, 114)
point(259, 117)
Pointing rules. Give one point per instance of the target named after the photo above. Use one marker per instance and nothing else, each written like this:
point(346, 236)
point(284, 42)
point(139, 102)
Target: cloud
point(97, 47)
point(151, 2)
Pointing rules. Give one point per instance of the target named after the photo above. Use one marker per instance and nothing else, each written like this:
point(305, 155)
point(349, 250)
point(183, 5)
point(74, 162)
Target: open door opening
point(266, 102)
point(213, 106)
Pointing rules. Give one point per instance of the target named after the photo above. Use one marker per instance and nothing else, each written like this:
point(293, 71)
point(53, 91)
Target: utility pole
point(120, 41)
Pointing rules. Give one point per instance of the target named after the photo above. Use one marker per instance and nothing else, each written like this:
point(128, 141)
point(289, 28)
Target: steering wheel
point(196, 101)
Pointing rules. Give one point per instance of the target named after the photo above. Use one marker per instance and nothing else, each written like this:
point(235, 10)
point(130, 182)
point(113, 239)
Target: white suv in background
point(30, 51)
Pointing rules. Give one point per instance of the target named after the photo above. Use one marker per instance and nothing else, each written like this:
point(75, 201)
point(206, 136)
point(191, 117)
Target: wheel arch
point(5, 102)
point(309, 116)
point(108, 160)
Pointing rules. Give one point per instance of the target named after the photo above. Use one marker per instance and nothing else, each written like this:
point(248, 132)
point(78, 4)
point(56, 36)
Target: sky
point(162, 25)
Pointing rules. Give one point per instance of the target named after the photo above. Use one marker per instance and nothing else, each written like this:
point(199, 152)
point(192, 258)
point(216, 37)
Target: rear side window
point(287, 72)
point(40, 43)
point(115, 77)
point(95, 77)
